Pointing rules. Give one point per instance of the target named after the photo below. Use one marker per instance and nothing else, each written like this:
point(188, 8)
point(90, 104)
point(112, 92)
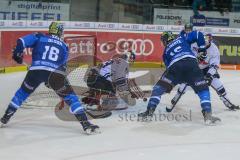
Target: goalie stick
point(135, 91)
point(98, 114)
point(91, 114)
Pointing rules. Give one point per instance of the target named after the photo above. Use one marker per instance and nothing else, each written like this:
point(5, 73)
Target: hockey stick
point(60, 107)
point(98, 114)
point(135, 91)
point(175, 100)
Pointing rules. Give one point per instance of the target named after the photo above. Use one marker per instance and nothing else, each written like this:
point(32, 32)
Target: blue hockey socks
point(19, 97)
point(74, 103)
point(155, 98)
point(205, 100)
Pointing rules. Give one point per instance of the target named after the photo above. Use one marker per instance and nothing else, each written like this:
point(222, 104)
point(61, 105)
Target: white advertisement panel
point(171, 16)
point(25, 10)
point(207, 18)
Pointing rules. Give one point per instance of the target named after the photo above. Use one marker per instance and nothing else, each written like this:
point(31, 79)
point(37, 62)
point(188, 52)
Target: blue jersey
point(195, 37)
point(177, 50)
point(49, 52)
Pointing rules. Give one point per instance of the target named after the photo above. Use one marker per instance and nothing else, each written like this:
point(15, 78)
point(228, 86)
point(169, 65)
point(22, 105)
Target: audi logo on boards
point(139, 46)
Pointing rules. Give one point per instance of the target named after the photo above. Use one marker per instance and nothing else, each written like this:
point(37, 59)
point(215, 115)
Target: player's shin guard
point(204, 96)
point(20, 96)
point(77, 109)
point(155, 98)
point(205, 101)
point(16, 102)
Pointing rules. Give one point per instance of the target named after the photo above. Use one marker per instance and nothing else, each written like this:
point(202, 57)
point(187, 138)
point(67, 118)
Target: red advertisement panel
point(147, 46)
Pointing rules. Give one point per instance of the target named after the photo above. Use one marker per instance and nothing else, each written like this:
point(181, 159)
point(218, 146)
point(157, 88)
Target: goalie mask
point(167, 37)
point(129, 57)
point(56, 28)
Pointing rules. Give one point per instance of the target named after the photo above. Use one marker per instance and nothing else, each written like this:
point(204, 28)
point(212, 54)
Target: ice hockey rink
point(37, 134)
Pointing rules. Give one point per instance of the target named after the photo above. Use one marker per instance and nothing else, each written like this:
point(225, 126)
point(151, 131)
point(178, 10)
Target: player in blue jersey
point(182, 67)
point(194, 37)
point(49, 58)
point(209, 55)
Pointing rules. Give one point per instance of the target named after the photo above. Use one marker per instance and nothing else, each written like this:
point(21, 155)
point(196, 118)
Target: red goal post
point(82, 45)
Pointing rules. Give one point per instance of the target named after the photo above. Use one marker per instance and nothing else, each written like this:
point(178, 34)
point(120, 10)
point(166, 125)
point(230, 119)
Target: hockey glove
point(17, 56)
point(202, 56)
point(208, 78)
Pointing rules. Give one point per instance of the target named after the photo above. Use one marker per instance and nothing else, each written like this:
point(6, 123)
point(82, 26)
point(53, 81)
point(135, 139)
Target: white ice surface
point(37, 134)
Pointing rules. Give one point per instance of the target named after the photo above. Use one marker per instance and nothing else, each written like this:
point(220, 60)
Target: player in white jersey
point(209, 65)
point(108, 78)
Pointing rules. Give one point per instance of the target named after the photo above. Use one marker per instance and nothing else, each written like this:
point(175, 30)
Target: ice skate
point(87, 126)
point(209, 119)
point(6, 117)
point(147, 115)
point(90, 129)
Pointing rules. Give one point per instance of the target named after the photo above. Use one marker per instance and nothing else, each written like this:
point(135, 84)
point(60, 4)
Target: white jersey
point(115, 69)
point(105, 70)
point(213, 56)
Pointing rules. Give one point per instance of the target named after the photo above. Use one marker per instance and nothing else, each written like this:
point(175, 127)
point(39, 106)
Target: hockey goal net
point(82, 54)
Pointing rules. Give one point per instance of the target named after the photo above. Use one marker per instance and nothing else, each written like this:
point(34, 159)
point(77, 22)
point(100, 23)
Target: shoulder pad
point(39, 34)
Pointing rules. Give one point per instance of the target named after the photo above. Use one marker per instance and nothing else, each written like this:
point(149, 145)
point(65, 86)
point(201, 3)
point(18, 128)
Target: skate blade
point(2, 125)
point(145, 119)
point(234, 109)
point(89, 131)
point(210, 123)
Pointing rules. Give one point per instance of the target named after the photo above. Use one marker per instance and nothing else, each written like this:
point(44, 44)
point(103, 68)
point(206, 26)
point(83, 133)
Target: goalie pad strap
point(121, 84)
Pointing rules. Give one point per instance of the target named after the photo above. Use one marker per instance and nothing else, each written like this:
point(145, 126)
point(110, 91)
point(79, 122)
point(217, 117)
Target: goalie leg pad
point(103, 86)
